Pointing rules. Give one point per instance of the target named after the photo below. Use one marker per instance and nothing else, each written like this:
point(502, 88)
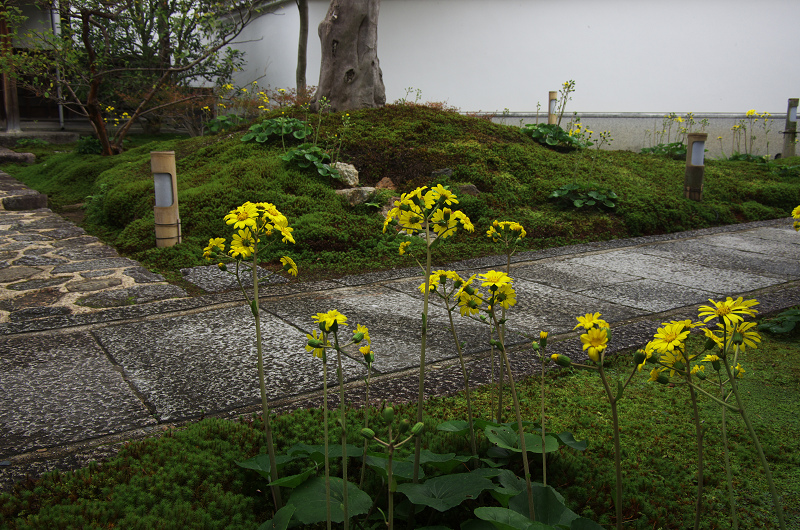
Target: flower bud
point(737, 338)
point(700, 375)
point(222, 266)
point(562, 360)
point(663, 379)
point(369, 434)
point(543, 338)
point(715, 365)
point(358, 337)
point(416, 430)
point(388, 415)
point(535, 346)
point(315, 343)
point(496, 343)
point(679, 366)
point(710, 344)
point(639, 357)
point(405, 425)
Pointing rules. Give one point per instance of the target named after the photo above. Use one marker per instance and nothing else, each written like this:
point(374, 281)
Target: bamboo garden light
point(790, 133)
point(167, 220)
point(695, 166)
point(551, 107)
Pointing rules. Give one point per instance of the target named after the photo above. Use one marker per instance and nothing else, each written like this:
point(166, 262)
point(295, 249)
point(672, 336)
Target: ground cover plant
point(503, 172)
point(187, 478)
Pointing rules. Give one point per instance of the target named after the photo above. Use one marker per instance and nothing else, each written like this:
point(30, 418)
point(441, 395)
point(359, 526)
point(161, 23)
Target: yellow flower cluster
point(329, 323)
point(796, 217)
point(422, 210)
point(595, 340)
point(499, 229)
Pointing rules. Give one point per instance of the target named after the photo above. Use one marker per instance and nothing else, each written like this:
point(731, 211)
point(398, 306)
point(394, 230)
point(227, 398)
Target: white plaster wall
point(625, 55)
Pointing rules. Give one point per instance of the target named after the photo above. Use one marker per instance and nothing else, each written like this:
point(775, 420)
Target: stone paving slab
point(393, 319)
point(61, 388)
point(756, 245)
point(724, 258)
point(652, 296)
point(207, 362)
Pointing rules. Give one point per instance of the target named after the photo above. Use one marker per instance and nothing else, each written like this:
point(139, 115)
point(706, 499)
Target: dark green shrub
point(580, 195)
point(88, 145)
point(552, 135)
point(261, 132)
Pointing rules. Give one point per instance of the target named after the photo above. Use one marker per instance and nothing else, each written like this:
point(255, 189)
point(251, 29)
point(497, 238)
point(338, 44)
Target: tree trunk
point(350, 75)
point(302, 49)
point(10, 102)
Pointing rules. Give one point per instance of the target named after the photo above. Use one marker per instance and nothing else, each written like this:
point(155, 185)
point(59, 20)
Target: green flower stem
point(421, 396)
point(617, 452)
point(699, 435)
point(775, 498)
point(473, 444)
point(325, 433)
point(728, 474)
point(343, 421)
point(389, 475)
point(265, 410)
point(522, 446)
point(366, 425)
point(544, 453)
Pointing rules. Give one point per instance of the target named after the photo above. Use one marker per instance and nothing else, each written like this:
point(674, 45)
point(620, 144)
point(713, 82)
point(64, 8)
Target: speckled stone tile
point(784, 234)
point(569, 275)
point(60, 389)
point(756, 245)
point(207, 362)
point(394, 322)
point(634, 263)
point(700, 253)
point(650, 295)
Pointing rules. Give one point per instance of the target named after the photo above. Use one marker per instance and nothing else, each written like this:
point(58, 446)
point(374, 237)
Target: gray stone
point(385, 184)
point(85, 286)
point(28, 236)
point(468, 189)
point(356, 196)
point(65, 233)
point(142, 275)
point(84, 252)
point(28, 201)
point(652, 296)
point(569, 276)
point(16, 273)
point(207, 362)
point(38, 284)
point(38, 298)
point(755, 245)
point(97, 274)
point(39, 261)
point(348, 173)
point(38, 312)
point(77, 241)
point(132, 295)
point(59, 389)
point(211, 279)
point(95, 264)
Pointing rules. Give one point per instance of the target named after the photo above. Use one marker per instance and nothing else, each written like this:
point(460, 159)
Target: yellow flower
point(505, 296)
point(403, 247)
point(242, 244)
point(670, 336)
point(365, 331)
point(751, 112)
point(330, 320)
point(214, 244)
point(796, 212)
point(289, 265)
point(672, 358)
point(698, 368)
point(729, 311)
point(444, 223)
point(654, 373)
point(433, 283)
point(591, 320)
point(468, 304)
point(495, 279)
point(595, 341)
point(738, 372)
point(243, 216)
point(443, 193)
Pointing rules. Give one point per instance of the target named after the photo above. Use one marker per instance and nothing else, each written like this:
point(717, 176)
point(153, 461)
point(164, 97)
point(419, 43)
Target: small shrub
point(30, 142)
point(782, 323)
point(552, 135)
point(676, 150)
point(222, 123)
point(88, 145)
point(580, 195)
point(262, 132)
point(308, 155)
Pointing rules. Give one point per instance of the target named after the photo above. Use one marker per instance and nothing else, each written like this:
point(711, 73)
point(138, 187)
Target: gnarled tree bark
point(350, 75)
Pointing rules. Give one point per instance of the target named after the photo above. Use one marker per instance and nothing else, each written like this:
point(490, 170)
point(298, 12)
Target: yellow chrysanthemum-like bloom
point(495, 279)
point(669, 337)
point(750, 336)
point(674, 359)
point(468, 304)
point(369, 355)
point(403, 246)
point(365, 331)
point(796, 212)
point(242, 244)
point(214, 244)
point(698, 368)
point(445, 195)
point(751, 112)
point(729, 311)
point(289, 265)
point(497, 231)
point(591, 320)
point(444, 222)
point(433, 283)
point(243, 216)
point(654, 373)
point(595, 341)
point(330, 319)
point(505, 297)
point(317, 336)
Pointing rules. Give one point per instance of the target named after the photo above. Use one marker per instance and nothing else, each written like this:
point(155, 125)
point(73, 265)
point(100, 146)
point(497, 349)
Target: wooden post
point(695, 166)
point(790, 133)
point(168, 222)
point(10, 102)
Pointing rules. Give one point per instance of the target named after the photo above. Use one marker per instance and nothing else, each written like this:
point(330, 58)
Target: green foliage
point(308, 155)
point(262, 132)
point(552, 135)
point(223, 123)
point(88, 145)
point(675, 150)
point(748, 157)
point(30, 142)
point(783, 322)
point(580, 195)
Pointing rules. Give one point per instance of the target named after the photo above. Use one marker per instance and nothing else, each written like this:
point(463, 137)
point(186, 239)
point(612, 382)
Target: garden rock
point(28, 200)
point(356, 196)
point(347, 173)
point(468, 189)
point(385, 184)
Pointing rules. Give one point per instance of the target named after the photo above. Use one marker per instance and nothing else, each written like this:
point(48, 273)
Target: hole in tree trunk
point(349, 75)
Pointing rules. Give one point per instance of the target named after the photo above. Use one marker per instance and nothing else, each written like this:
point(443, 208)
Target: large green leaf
point(454, 426)
point(503, 437)
point(570, 441)
point(260, 463)
point(379, 462)
point(292, 481)
point(548, 506)
point(445, 492)
point(309, 500)
point(506, 519)
point(443, 462)
point(281, 519)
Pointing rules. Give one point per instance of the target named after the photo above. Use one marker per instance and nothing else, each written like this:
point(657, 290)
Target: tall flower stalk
point(423, 212)
point(252, 222)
